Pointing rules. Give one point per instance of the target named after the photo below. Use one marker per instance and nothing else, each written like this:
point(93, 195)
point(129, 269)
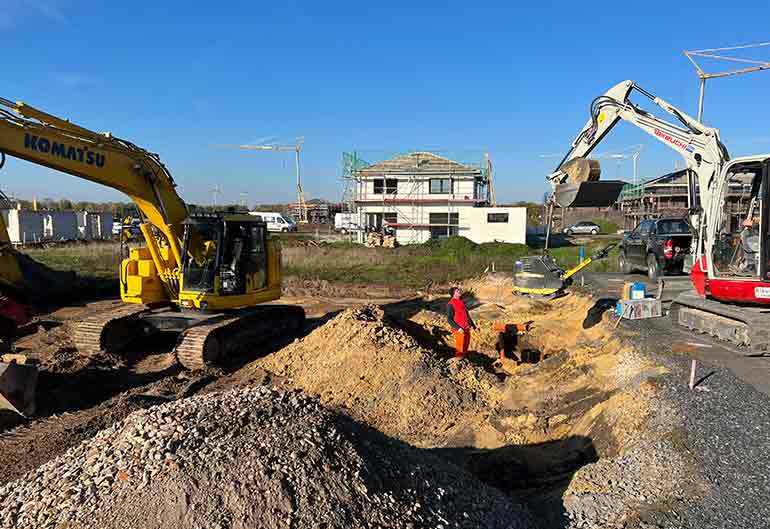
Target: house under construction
point(666, 196)
point(421, 196)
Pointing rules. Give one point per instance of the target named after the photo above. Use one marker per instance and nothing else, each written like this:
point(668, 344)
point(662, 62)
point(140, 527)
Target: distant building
point(422, 196)
point(666, 196)
point(318, 211)
point(26, 226)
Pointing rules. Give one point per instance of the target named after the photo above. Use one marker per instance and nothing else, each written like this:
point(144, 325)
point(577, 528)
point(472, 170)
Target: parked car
point(657, 246)
point(583, 227)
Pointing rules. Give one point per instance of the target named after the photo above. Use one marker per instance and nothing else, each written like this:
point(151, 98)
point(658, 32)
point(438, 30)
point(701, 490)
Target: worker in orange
point(460, 322)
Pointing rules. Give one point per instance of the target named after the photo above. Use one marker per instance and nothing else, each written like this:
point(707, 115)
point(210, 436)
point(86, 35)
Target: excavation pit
point(581, 396)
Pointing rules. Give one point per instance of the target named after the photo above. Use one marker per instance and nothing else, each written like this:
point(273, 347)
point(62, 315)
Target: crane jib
point(64, 151)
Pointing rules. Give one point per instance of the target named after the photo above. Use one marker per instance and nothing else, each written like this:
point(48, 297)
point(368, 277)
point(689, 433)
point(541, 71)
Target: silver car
point(583, 227)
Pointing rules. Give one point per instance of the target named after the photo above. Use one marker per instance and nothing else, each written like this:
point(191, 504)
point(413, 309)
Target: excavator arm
point(43, 139)
point(699, 145)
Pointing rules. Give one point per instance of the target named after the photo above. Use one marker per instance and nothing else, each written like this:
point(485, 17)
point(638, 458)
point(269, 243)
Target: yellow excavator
point(201, 276)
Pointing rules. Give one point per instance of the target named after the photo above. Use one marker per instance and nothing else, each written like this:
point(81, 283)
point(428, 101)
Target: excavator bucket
point(583, 186)
point(17, 387)
point(597, 194)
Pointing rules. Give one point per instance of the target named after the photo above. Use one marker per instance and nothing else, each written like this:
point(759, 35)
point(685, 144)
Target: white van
point(346, 222)
point(276, 221)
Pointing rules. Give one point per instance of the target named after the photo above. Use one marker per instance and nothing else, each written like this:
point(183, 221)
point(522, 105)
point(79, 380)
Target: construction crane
point(297, 148)
point(199, 276)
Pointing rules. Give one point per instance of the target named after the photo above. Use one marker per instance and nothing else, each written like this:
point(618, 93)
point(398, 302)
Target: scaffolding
point(405, 200)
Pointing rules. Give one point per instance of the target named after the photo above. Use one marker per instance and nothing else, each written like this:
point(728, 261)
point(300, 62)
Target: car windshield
point(674, 227)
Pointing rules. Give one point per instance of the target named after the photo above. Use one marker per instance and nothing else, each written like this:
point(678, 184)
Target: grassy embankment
point(412, 265)
point(100, 260)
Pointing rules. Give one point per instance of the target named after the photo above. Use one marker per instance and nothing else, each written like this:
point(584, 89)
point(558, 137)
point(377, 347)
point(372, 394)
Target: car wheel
point(343, 231)
point(623, 264)
point(653, 268)
point(568, 231)
point(284, 230)
point(594, 232)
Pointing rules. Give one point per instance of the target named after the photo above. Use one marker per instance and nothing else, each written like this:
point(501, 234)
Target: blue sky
point(513, 79)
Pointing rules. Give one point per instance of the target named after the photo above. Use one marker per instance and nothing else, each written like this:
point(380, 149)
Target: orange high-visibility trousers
point(462, 340)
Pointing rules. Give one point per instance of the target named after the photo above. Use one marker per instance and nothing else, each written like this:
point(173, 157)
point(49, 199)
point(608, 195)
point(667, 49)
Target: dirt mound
point(320, 288)
point(252, 457)
point(584, 395)
point(361, 360)
point(407, 385)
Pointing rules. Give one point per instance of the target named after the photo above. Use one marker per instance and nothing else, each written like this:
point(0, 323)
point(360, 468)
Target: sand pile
point(588, 383)
point(252, 457)
point(361, 360)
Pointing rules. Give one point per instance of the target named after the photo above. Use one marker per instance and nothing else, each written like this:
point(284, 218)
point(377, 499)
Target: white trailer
point(95, 225)
point(23, 225)
point(60, 225)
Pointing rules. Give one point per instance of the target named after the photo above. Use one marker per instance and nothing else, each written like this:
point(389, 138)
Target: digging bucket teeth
point(17, 388)
point(598, 194)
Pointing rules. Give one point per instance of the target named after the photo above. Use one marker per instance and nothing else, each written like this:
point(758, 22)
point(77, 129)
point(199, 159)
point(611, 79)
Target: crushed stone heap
point(250, 457)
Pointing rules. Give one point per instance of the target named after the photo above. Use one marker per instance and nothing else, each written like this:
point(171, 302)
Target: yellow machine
point(540, 275)
point(198, 275)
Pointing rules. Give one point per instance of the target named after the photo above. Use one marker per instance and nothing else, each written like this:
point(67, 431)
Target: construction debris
point(375, 239)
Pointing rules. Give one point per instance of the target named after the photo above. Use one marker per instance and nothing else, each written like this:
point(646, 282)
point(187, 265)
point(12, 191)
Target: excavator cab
point(234, 257)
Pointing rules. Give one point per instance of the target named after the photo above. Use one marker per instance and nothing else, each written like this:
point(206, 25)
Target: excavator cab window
point(243, 266)
point(201, 250)
point(737, 246)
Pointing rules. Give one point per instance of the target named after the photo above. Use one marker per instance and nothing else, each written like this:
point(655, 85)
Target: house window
point(443, 225)
point(390, 218)
point(497, 217)
point(386, 185)
point(440, 186)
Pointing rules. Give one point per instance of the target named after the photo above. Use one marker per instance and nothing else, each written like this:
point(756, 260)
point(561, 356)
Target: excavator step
point(743, 326)
point(216, 341)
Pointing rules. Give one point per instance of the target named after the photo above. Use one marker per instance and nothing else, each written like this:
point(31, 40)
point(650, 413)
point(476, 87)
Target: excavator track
point(746, 327)
point(108, 331)
point(215, 341)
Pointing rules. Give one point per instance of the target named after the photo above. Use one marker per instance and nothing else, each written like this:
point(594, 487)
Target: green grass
point(443, 261)
point(607, 227)
point(414, 265)
point(87, 260)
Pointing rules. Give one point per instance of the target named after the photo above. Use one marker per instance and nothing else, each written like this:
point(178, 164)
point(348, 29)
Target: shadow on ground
point(537, 474)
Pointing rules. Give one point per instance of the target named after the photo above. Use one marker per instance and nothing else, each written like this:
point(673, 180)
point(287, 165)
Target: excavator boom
point(201, 276)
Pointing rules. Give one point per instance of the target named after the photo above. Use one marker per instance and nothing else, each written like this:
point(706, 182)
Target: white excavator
point(730, 298)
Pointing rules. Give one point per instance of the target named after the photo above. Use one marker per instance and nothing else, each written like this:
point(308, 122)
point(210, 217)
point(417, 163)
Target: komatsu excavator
point(729, 261)
point(201, 276)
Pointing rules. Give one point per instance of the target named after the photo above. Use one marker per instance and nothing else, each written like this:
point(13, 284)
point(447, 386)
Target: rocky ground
point(595, 430)
point(252, 457)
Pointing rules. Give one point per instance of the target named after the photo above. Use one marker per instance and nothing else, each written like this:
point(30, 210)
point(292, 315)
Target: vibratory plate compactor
point(541, 276)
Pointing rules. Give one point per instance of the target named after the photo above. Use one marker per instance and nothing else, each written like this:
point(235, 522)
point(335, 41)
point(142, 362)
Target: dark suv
point(656, 245)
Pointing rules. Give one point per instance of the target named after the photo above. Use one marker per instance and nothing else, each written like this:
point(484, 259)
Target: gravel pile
point(252, 457)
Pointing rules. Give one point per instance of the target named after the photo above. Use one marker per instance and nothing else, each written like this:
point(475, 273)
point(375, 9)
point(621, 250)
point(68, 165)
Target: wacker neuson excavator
point(201, 276)
point(729, 261)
